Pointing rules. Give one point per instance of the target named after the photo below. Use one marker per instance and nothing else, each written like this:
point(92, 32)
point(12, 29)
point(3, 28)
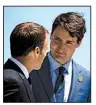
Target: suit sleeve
point(11, 91)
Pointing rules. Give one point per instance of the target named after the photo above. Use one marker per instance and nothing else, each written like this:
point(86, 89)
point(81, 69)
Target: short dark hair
point(25, 37)
point(73, 22)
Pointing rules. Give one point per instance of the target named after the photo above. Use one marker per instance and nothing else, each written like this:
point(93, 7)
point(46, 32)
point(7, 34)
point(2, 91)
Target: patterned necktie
point(60, 79)
point(59, 86)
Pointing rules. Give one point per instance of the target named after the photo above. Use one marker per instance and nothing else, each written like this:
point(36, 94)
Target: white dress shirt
point(21, 66)
point(68, 82)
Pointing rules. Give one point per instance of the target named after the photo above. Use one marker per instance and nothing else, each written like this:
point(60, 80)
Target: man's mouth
point(60, 54)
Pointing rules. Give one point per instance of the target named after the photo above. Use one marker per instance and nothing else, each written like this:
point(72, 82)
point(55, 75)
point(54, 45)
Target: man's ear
point(79, 43)
point(37, 52)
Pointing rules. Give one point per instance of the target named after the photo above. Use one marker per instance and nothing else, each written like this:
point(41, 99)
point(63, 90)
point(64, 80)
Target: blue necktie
point(59, 86)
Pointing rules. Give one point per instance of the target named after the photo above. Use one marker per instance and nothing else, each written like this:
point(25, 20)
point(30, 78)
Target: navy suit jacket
point(80, 90)
point(16, 86)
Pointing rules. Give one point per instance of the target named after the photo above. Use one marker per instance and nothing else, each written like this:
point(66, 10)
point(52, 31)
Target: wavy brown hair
point(73, 22)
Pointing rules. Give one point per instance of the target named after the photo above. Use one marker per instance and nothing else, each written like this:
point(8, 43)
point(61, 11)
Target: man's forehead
point(63, 37)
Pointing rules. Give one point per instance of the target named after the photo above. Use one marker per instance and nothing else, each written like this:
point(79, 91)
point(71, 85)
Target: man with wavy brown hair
point(60, 78)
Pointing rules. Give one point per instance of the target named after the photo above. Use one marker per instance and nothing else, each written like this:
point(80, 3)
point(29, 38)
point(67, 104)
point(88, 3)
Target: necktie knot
point(61, 70)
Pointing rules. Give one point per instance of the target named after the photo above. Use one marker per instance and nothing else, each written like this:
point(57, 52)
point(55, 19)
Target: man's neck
point(25, 62)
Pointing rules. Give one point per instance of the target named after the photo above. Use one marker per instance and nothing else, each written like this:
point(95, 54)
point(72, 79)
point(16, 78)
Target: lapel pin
point(80, 79)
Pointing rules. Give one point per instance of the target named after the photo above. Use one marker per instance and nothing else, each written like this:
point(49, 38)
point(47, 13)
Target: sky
point(45, 16)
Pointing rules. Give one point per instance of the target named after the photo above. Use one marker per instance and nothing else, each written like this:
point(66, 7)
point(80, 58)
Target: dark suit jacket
point(16, 85)
point(43, 89)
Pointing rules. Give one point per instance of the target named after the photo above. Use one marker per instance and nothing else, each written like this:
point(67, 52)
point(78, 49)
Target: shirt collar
point(55, 65)
point(21, 66)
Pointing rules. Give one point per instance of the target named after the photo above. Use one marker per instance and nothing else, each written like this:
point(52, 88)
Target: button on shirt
point(21, 66)
point(54, 66)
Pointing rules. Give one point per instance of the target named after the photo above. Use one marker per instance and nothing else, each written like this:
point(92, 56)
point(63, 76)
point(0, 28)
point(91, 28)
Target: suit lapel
point(74, 83)
point(11, 65)
point(45, 77)
point(29, 90)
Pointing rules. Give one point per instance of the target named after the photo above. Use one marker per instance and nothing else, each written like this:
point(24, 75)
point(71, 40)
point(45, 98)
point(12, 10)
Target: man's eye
point(69, 43)
point(56, 39)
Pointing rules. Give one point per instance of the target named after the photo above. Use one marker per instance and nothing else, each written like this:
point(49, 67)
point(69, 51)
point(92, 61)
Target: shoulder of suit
point(11, 75)
point(82, 69)
point(83, 72)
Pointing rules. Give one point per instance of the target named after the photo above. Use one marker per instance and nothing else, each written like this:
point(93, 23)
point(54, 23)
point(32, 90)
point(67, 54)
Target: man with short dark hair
point(60, 78)
point(28, 43)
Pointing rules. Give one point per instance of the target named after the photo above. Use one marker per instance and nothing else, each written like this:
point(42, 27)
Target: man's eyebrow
point(70, 41)
point(57, 37)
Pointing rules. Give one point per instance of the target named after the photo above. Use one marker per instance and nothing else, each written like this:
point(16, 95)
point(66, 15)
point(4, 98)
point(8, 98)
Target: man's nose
point(62, 47)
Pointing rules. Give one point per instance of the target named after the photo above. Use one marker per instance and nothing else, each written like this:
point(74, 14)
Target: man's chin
point(60, 57)
point(60, 60)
